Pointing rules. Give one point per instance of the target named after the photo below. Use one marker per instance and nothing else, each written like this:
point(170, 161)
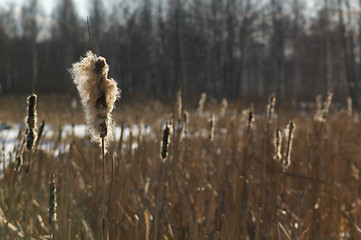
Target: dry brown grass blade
point(225, 227)
point(284, 230)
point(358, 229)
point(11, 226)
point(147, 225)
point(238, 199)
point(88, 230)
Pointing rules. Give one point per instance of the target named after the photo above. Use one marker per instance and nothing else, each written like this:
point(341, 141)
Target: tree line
point(226, 48)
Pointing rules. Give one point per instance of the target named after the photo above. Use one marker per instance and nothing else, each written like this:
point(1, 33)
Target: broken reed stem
point(104, 219)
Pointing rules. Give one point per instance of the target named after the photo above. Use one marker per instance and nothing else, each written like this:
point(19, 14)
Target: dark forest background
point(226, 48)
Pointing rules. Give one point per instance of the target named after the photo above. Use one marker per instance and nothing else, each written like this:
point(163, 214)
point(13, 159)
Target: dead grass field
point(228, 187)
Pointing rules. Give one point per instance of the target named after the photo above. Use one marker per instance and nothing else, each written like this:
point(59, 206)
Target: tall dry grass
point(228, 187)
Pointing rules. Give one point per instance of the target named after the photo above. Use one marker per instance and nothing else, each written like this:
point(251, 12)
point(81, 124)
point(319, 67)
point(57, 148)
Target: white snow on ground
point(9, 137)
point(9, 134)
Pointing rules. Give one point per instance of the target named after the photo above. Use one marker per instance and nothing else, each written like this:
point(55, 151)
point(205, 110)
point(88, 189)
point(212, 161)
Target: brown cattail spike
point(322, 109)
point(30, 138)
point(271, 107)
point(40, 133)
point(52, 201)
point(277, 143)
point(31, 121)
point(32, 114)
point(165, 141)
point(179, 105)
point(349, 106)
point(251, 119)
point(212, 123)
point(224, 107)
point(202, 102)
point(185, 123)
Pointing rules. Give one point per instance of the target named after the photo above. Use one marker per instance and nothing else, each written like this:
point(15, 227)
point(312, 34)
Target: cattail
point(31, 121)
point(202, 102)
point(52, 202)
point(212, 123)
point(322, 109)
point(40, 134)
point(179, 105)
point(327, 104)
point(19, 162)
point(349, 106)
point(271, 107)
point(289, 132)
point(251, 119)
point(224, 107)
point(98, 94)
point(165, 141)
point(19, 158)
point(318, 114)
point(277, 143)
point(185, 123)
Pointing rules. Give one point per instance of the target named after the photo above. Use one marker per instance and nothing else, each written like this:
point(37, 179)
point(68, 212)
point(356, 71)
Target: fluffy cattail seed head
point(98, 94)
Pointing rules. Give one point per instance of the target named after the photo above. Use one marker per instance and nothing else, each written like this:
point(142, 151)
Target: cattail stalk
point(52, 208)
point(277, 143)
point(271, 107)
point(31, 121)
point(318, 114)
point(19, 158)
point(202, 102)
point(327, 104)
point(289, 132)
point(349, 106)
point(224, 107)
point(212, 123)
point(179, 105)
point(40, 134)
point(165, 142)
point(185, 123)
point(98, 95)
point(251, 120)
point(322, 109)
